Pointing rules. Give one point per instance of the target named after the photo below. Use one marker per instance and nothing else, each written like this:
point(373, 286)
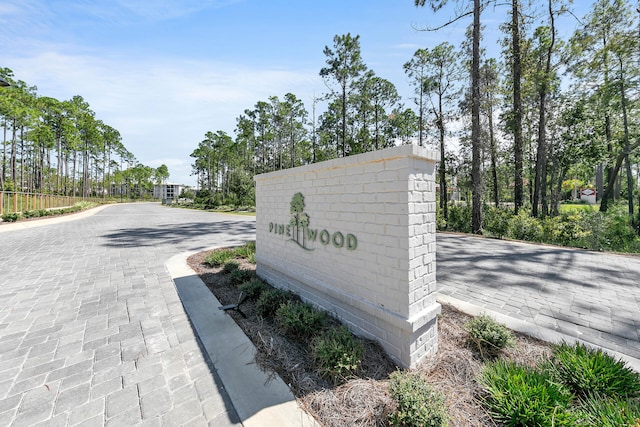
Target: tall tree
point(476, 178)
point(416, 69)
point(441, 88)
point(545, 82)
point(344, 66)
point(489, 80)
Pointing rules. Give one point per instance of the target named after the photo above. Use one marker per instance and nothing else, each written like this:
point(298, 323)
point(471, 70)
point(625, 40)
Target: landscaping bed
point(454, 386)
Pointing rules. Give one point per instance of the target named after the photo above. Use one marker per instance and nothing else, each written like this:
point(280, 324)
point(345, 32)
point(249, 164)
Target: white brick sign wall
point(356, 236)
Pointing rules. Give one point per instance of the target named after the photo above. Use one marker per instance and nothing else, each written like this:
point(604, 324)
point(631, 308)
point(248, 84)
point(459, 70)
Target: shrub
point(10, 217)
point(337, 353)
point(300, 320)
point(418, 403)
point(271, 300)
point(524, 227)
point(522, 396)
point(239, 276)
point(230, 266)
point(489, 335)
point(253, 288)
point(459, 218)
point(599, 411)
point(219, 257)
point(586, 370)
point(496, 221)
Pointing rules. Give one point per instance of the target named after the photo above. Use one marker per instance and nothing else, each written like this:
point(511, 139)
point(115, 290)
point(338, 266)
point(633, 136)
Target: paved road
point(92, 331)
point(591, 296)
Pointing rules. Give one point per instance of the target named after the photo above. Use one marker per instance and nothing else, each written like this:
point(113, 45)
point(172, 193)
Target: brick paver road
point(92, 331)
point(587, 295)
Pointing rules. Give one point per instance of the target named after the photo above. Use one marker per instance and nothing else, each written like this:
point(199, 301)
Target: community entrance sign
point(356, 237)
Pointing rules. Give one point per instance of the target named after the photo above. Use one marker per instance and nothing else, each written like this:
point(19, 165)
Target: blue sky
point(164, 72)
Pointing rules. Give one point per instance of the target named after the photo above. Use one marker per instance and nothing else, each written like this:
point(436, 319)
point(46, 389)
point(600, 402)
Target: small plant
point(586, 370)
point(337, 354)
point(418, 403)
point(219, 257)
point(300, 320)
point(253, 288)
point(522, 396)
point(230, 266)
point(239, 276)
point(10, 217)
point(246, 250)
point(271, 300)
point(489, 335)
point(600, 411)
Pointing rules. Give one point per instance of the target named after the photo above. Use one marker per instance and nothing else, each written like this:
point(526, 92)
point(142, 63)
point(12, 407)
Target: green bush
point(418, 404)
point(524, 227)
point(567, 229)
point(586, 370)
point(219, 257)
point(10, 217)
point(522, 396)
point(270, 301)
point(459, 218)
point(230, 266)
point(337, 354)
point(300, 320)
point(253, 288)
point(496, 221)
point(489, 335)
point(599, 411)
point(239, 276)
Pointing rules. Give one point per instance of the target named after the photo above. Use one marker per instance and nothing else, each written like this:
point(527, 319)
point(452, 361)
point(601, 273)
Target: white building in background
point(168, 191)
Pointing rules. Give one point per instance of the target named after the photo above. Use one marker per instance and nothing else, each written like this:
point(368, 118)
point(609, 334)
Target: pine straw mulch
point(365, 401)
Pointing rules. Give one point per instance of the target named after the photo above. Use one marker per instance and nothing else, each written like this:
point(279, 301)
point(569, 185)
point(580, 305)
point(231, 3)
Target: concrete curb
point(260, 399)
point(22, 225)
point(531, 329)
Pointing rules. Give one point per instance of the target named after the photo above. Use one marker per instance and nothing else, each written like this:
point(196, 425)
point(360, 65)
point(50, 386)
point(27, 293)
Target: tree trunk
point(517, 106)
point(476, 183)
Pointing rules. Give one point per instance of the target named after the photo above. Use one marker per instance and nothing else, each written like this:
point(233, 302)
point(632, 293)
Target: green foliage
point(599, 411)
point(10, 217)
point(522, 396)
point(337, 353)
point(524, 227)
point(230, 266)
point(418, 403)
point(239, 276)
point(496, 221)
point(489, 335)
point(271, 300)
point(586, 370)
point(459, 218)
point(246, 250)
point(300, 320)
point(219, 257)
point(567, 229)
point(253, 288)
point(205, 199)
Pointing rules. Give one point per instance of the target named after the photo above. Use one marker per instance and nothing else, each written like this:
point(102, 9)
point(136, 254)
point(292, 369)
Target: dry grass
point(365, 401)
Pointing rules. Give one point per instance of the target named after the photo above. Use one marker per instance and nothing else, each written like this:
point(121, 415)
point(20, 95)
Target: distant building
point(168, 191)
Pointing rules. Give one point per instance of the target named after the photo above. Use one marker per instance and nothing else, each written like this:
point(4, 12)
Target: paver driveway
point(92, 331)
point(587, 295)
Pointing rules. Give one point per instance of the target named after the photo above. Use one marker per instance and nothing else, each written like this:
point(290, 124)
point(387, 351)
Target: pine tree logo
point(299, 220)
